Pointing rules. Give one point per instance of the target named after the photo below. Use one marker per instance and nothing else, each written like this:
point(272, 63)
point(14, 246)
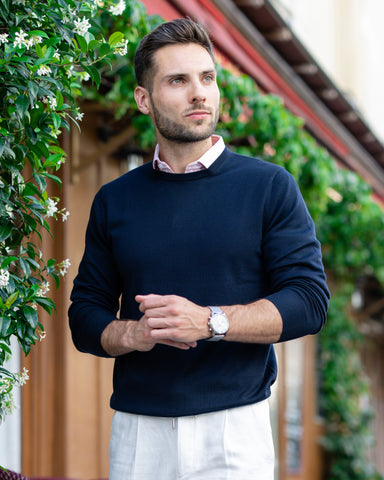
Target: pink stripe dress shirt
point(205, 161)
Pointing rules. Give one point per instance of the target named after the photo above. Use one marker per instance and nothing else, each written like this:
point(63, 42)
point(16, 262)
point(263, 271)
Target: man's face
point(184, 100)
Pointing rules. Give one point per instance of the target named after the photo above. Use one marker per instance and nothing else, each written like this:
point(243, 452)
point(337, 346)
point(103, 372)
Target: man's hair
point(179, 31)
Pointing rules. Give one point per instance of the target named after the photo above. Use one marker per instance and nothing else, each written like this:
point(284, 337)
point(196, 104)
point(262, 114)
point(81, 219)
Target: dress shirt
point(205, 161)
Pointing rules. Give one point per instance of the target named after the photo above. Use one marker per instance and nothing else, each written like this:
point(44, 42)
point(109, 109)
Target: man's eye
point(176, 81)
point(209, 78)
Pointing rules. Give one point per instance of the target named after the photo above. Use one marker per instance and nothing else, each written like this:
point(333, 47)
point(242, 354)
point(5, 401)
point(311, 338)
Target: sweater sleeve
point(292, 260)
point(97, 286)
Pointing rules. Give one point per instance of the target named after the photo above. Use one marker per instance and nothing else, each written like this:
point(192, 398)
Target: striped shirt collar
point(205, 161)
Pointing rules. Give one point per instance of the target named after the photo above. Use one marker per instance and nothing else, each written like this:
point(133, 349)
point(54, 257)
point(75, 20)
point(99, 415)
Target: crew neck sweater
point(231, 234)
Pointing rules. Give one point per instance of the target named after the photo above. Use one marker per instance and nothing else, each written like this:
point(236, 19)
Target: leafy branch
point(47, 51)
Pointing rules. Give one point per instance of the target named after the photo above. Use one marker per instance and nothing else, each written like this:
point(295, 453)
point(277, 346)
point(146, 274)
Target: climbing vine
point(47, 50)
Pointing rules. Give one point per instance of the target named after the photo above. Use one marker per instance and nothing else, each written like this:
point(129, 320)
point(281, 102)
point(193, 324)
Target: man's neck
point(179, 155)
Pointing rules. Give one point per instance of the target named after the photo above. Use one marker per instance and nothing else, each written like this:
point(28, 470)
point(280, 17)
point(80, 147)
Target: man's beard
point(176, 132)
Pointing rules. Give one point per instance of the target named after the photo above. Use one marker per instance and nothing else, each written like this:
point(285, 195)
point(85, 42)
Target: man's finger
point(150, 301)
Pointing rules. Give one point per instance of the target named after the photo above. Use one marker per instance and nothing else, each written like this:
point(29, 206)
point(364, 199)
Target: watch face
point(219, 323)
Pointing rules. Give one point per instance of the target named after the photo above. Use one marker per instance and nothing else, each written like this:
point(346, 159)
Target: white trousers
point(234, 444)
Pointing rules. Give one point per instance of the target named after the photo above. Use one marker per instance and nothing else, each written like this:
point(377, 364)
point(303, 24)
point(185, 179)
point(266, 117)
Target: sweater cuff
point(298, 321)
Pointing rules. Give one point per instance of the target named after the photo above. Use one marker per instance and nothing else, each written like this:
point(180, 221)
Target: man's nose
point(197, 93)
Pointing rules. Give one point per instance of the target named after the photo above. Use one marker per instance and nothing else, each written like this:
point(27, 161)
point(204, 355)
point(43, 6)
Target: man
point(214, 258)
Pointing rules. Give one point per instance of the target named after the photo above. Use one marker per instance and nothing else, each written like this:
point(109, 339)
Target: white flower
point(29, 43)
point(65, 215)
point(3, 38)
point(51, 207)
point(7, 405)
point(56, 54)
point(23, 377)
point(4, 278)
point(71, 71)
point(121, 48)
point(4, 387)
point(84, 76)
point(117, 9)
point(82, 26)
point(42, 335)
point(20, 39)
point(43, 290)
point(63, 267)
point(71, 14)
point(44, 70)
point(52, 102)
point(79, 116)
point(36, 39)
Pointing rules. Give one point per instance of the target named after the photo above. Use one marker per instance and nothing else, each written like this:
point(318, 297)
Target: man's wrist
point(116, 338)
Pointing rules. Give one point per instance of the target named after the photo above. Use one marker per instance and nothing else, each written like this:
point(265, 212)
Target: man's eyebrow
point(211, 70)
point(180, 74)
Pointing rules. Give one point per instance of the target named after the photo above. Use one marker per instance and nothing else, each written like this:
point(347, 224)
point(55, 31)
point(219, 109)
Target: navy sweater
point(231, 234)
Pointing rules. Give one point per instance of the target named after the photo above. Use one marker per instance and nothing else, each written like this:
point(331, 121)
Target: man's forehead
point(187, 56)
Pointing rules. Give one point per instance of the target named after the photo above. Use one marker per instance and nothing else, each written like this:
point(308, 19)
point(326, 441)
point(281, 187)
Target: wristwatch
point(218, 324)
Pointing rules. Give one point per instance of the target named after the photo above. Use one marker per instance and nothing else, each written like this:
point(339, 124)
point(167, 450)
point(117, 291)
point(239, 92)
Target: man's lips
point(197, 114)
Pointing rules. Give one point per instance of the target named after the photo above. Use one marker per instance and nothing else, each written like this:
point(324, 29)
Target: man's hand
point(174, 318)
point(126, 336)
point(177, 322)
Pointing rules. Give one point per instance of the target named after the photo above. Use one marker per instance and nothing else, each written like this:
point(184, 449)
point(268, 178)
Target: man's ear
point(142, 100)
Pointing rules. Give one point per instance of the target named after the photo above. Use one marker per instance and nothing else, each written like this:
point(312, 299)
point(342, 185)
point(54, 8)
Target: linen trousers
point(233, 444)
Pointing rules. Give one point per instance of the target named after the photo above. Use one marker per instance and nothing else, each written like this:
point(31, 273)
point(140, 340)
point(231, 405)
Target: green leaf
point(32, 262)
point(46, 57)
point(4, 9)
point(7, 261)
point(5, 322)
point(94, 74)
point(25, 267)
point(82, 43)
point(52, 177)
point(22, 104)
point(4, 346)
point(56, 120)
point(93, 44)
point(105, 49)
point(11, 300)
point(53, 160)
point(39, 51)
point(5, 231)
point(59, 100)
point(46, 303)
point(40, 182)
point(33, 90)
point(56, 149)
point(38, 33)
point(41, 149)
point(30, 315)
point(115, 38)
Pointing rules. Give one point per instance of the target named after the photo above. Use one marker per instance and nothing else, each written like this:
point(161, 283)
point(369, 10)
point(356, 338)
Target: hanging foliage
point(47, 49)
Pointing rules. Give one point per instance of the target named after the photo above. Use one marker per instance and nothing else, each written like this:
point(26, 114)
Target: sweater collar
point(202, 163)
